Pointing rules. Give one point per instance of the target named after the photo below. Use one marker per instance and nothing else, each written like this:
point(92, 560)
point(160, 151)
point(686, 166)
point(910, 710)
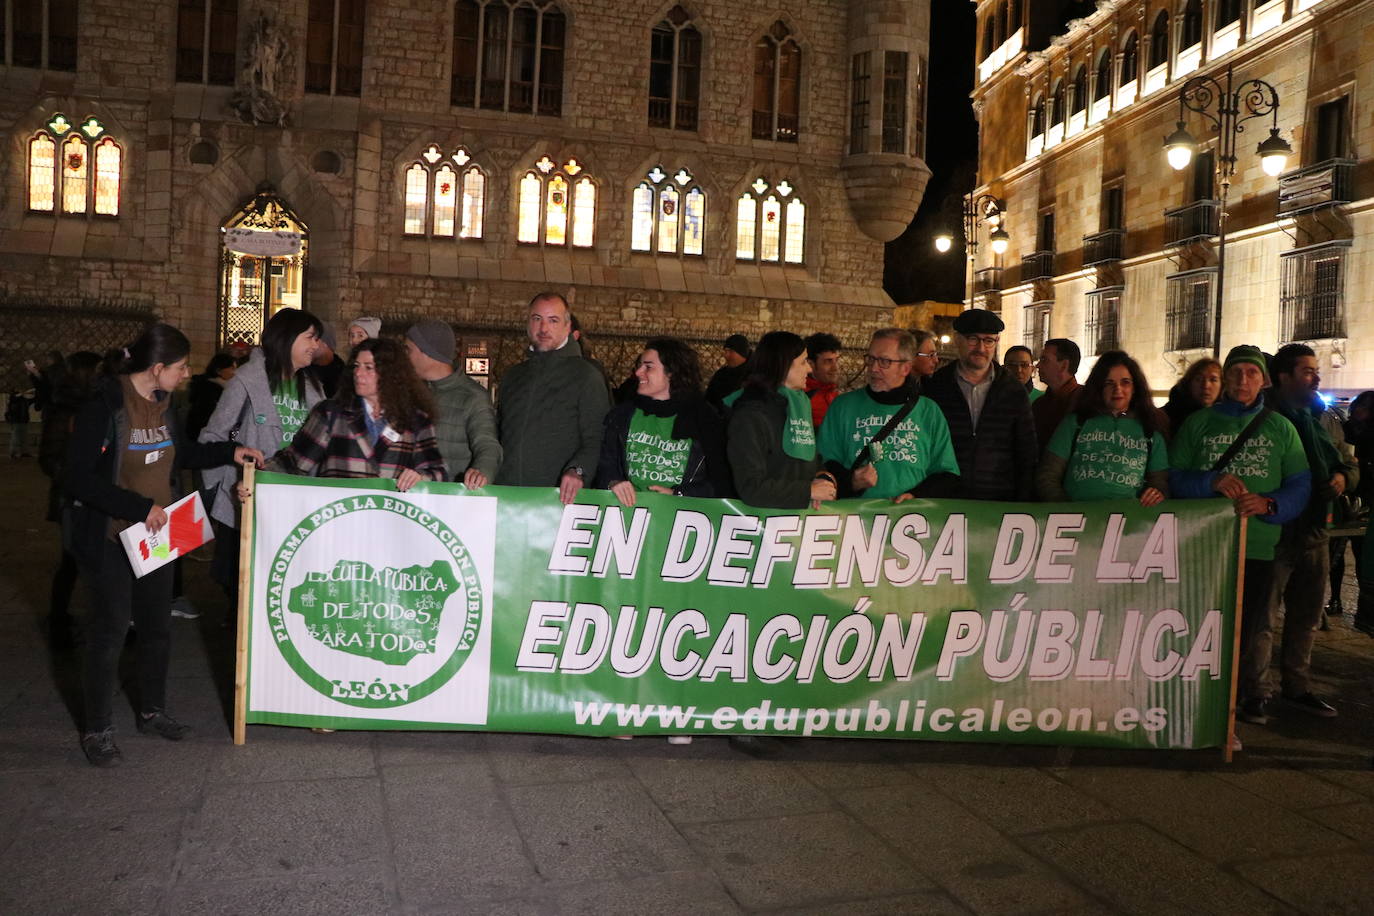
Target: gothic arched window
point(674, 72)
point(777, 86)
point(668, 213)
point(508, 56)
point(556, 204)
point(445, 195)
point(74, 169)
point(770, 224)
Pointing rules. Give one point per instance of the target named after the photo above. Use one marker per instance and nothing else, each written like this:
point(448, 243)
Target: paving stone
point(1015, 799)
point(1354, 821)
point(361, 891)
point(274, 828)
point(693, 893)
point(539, 759)
point(451, 832)
point(932, 903)
point(689, 791)
point(271, 753)
point(1139, 871)
point(396, 748)
point(604, 829)
point(783, 862)
point(1325, 885)
point(964, 854)
point(1204, 813)
point(1287, 787)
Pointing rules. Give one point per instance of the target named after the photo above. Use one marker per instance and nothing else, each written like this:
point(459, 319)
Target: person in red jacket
point(822, 382)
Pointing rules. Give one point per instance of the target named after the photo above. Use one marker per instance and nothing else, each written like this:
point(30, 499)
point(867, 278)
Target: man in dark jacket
point(1058, 367)
point(988, 413)
point(729, 378)
point(550, 407)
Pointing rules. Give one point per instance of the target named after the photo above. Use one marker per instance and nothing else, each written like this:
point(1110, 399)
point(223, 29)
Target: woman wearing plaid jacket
point(378, 425)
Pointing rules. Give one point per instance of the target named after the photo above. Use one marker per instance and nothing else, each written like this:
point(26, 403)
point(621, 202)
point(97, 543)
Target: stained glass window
point(61, 169)
point(668, 213)
point(694, 222)
point(642, 218)
point(42, 173)
point(770, 224)
point(557, 205)
point(444, 195)
point(107, 160)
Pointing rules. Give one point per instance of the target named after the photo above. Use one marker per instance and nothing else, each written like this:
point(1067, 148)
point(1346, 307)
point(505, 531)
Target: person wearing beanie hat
point(729, 378)
point(464, 422)
point(1268, 481)
point(988, 413)
point(363, 328)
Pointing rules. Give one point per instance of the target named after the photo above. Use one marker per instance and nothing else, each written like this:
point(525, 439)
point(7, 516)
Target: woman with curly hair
point(1200, 387)
point(666, 438)
point(380, 424)
point(1111, 446)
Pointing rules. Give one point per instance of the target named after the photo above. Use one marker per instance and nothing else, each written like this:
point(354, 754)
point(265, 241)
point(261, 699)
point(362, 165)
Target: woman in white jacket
point(262, 407)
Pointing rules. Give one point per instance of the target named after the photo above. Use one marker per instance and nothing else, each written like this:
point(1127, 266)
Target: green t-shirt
point(653, 457)
point(1109, 458)
point(1035, 394)
point(918, 447)
point(1271, 454)
point(291, 411)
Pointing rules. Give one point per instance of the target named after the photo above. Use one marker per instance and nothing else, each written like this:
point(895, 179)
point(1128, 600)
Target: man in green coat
point(466, 423)
point(550, 407)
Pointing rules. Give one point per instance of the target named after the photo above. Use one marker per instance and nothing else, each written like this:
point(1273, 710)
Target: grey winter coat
point(465, 426)
point(246, 403)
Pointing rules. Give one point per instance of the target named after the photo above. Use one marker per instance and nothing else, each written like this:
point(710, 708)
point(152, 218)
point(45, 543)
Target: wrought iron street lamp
point(1227, 107)
point(983, 208)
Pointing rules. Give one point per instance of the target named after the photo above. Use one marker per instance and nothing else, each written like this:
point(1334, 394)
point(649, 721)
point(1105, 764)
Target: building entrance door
point(264, 249)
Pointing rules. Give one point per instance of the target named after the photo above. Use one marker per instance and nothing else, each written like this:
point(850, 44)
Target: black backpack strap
point(1245, 434)
point(866, 453)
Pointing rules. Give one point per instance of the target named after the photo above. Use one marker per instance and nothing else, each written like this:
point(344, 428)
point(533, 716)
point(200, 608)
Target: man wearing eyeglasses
point(988, 413)
point(868, 453)
point(1021, 361)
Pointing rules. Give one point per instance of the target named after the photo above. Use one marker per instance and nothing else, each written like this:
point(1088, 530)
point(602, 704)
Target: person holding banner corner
point(124, 460)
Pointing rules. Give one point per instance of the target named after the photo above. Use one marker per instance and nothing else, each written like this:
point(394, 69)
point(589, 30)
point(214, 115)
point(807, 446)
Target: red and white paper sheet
point(187, 528)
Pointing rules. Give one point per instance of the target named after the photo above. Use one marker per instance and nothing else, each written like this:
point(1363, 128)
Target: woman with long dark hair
point(666, 439)
point(771, 443)
point(380, 424)
point(1200, 387)
point(123, 466)
point(263, 406)
point(1111, 446)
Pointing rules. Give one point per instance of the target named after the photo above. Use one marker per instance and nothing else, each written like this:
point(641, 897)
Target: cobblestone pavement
point(390, 822)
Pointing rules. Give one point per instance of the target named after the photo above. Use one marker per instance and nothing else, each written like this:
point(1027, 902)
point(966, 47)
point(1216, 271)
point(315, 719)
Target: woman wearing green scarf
point(771, 444)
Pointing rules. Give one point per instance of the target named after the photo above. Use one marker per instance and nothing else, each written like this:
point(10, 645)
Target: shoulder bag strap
point(1250, 429)
point(866, 453)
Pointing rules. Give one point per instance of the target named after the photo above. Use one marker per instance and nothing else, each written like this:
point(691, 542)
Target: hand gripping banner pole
point(246, 603)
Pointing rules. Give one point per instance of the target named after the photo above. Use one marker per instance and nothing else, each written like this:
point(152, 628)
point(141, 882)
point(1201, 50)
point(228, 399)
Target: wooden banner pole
point(245, 605)
point(1227, 752)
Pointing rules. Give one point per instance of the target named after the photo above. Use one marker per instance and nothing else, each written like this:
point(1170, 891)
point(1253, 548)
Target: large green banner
point(504, 610)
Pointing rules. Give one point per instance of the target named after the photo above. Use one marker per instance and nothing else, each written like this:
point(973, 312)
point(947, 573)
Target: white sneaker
point(1236, 746)
point(183, 608)
point(679, 739)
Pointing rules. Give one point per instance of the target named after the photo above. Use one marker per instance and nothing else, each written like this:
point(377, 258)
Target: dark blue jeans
point(116, 597)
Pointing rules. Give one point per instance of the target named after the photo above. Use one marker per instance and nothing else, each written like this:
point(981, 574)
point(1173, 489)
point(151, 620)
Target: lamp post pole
point(1227, 107)
point(981, 208)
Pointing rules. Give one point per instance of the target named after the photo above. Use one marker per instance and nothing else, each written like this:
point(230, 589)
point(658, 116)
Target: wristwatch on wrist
point(574, 469)
point(1272, 506)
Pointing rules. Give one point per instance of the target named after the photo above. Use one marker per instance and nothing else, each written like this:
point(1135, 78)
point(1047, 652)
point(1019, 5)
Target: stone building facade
point(239, 122)
point(1111, 247)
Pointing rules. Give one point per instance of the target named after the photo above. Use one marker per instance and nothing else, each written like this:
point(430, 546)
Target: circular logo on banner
point(381, 610)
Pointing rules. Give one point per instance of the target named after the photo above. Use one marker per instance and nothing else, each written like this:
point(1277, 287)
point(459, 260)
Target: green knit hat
point(1247, 354)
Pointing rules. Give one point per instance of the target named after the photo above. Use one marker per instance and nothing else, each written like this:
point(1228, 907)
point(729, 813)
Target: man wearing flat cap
point(729, 378)
point(466, 423)
point(988, 412)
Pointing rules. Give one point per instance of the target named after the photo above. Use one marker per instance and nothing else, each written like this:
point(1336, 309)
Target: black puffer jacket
point(997, 460)
point(765, 475)
point(707, 471)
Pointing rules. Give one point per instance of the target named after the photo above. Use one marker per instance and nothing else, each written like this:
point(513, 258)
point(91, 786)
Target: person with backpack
point(885, 440)
point(1110, 447)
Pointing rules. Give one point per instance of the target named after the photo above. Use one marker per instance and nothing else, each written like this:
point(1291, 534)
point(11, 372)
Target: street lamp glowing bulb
point(1178, 147)
point(1000, 241)
point(944, 338)
point(1274, 153)
point(943, 243)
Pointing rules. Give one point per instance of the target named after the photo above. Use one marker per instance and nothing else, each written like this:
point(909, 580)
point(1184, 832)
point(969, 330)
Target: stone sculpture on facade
point(266, 63)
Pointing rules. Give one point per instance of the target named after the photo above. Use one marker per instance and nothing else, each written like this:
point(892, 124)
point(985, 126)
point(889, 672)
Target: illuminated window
point(206, 33)
point(444, 195)
point(41, 34)
point(668, 213)
point(334, 47)
point(777, 86)
point(770, 224)
point(674, 72)
point(556, 204)
point(62, 176)
point(508, 56)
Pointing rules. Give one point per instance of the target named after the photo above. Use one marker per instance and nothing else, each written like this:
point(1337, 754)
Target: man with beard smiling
point(988, 413)
point(915, 457)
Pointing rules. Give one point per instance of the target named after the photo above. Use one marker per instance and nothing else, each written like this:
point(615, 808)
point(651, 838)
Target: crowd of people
point(773, 427)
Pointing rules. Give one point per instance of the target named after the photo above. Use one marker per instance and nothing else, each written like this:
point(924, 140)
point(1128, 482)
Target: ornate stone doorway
point(264, 249)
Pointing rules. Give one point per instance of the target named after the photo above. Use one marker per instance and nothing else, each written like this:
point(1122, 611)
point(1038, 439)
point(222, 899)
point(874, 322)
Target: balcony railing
point(987, 280)
point(1321, 185)
point(1038, 265)
point(1189, 309)
point(1104, 247)
point(1193, 222)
